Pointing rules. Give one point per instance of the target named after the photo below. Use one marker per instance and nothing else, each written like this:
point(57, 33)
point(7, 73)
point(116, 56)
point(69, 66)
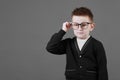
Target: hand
point(66, 26)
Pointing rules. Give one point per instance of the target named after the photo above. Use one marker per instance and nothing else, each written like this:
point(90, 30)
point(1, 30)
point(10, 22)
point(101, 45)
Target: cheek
point(86, 32)
point(74, 31)
point(90, 29)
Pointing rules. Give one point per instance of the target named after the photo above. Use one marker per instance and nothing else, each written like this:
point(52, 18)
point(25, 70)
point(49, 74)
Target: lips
point(80, 32)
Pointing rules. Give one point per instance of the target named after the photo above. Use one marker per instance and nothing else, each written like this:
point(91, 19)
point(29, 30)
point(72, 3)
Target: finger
point(68, 25)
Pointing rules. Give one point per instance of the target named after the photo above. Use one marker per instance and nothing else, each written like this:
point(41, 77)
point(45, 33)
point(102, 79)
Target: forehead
point(80, 19)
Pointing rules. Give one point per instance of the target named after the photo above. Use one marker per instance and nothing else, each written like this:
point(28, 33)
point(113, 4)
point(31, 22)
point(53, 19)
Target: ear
point(92, 26)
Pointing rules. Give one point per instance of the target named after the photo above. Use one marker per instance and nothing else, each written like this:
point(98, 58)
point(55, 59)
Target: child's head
point(82, 22)
point(82, 11)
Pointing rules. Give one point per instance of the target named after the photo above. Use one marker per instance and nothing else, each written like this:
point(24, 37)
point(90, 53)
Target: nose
point(80, 28)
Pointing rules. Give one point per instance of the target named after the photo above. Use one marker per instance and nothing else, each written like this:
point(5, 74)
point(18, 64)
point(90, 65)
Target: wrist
point(64, 29)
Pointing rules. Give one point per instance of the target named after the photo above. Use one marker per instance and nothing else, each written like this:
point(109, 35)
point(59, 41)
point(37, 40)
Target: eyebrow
point(81, 22)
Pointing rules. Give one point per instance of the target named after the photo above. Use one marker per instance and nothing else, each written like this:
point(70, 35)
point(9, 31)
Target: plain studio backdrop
point(27, 25)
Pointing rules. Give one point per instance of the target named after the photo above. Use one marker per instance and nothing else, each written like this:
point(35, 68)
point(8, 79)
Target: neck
point(84, 37)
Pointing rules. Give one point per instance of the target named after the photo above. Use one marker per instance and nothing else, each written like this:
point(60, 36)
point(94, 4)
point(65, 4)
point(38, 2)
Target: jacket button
point(80, 56)
point(80, 66)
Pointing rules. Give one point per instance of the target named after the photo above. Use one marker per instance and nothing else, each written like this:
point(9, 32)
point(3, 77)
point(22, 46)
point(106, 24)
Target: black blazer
point(88, 64)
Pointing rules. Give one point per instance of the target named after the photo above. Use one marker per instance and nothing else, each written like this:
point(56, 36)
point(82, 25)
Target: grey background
point(27, 25)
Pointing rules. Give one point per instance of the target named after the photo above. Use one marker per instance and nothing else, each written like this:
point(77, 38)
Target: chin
point(81, 37)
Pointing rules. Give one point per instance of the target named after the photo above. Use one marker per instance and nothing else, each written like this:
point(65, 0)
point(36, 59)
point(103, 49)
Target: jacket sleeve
point(56, 45)
point(102, 62)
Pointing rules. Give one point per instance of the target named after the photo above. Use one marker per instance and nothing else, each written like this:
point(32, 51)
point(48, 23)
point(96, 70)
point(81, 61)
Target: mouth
point(80, 32)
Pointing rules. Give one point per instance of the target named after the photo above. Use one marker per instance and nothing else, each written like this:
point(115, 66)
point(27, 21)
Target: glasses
point(83, 25)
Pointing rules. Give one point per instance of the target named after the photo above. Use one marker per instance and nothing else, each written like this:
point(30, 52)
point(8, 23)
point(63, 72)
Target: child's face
point(81, 32)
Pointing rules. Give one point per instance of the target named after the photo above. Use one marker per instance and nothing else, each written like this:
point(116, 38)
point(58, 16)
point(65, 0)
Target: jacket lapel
point(84, 46)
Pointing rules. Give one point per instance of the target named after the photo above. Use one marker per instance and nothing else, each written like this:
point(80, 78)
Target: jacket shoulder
point(96, 41)
point(97, 44)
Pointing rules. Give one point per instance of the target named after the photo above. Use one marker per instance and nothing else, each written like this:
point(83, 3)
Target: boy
point(86, 58)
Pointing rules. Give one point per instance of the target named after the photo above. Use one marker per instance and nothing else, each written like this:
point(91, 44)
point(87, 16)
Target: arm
point(102, 63)
point(56, 45)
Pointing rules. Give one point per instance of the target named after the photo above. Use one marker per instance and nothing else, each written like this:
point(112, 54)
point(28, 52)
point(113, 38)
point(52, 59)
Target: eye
point(83, 24)
point(75, 24)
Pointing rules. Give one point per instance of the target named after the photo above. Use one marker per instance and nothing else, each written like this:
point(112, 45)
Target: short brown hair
point(83, 11)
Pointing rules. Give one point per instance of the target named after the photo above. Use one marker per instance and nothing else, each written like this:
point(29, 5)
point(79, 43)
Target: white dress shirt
point(81, 42)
